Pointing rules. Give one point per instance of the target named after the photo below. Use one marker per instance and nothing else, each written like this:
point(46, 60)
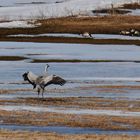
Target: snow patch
point(66, 8)
point(17, 24)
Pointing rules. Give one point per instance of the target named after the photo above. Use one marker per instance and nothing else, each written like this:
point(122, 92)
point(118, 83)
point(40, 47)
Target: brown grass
point(20, 135)
point(106, 24)
point(114, 11)
point(56, 119)
point(71, 40)
point(12, 58)
point(101, 25)
point(80, 102)
point(77, 61)
point(131, 6)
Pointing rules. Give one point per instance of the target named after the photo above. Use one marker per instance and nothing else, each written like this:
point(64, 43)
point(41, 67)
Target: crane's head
point(25, 76)
point(46, 67)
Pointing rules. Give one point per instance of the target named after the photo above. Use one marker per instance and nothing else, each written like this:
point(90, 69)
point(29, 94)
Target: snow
point(66, 8)
point(16, 24)
point(64, 110)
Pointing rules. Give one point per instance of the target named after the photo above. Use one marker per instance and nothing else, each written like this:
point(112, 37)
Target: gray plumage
point(40, 82)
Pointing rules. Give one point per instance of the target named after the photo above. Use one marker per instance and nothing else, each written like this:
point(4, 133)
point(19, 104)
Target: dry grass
point(80, 102)
point(20, 135)
point(101, 25)
point(106, 24)
point(12, 58)
point(71, 40)
point(72, 120)
point(131, 6)
point(113, 11)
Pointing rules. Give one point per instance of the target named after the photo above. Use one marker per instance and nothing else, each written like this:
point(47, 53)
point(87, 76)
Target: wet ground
point(98, 98)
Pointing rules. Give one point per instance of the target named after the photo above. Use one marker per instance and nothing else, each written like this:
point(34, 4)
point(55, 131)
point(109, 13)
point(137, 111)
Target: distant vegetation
point(132, 6)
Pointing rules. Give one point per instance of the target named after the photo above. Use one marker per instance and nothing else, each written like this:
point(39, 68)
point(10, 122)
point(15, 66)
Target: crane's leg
point(42, 93)
point(38, 91)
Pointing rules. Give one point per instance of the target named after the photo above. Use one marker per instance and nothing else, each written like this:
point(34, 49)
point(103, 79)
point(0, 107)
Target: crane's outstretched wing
point(53, 79)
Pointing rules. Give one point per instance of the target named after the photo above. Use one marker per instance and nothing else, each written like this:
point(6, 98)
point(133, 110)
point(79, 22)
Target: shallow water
point(67, 130)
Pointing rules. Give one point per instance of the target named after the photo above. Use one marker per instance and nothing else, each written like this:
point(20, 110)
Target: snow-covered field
point(12, 10)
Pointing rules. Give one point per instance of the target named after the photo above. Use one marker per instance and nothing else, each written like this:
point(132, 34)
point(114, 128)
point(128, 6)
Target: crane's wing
point(53, 79)
point(30, 77)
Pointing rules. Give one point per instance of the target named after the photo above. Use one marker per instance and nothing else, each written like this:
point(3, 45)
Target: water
point(68, 130)
point(70, 51)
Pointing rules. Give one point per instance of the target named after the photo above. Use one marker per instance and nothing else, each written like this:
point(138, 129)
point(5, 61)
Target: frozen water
point(95, 36)
point(49, 34)
point(64, 110)
point(71, 51)
point(67, 130)
point(76, 72)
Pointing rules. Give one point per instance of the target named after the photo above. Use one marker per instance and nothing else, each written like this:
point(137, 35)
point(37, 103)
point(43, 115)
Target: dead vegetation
point(112, 24)
point(22, 135)
point(132, 6)
point(71, 40)
point(114, 11)
point(103, 122)
point(81, 102)
point(104, 25)
point(12, 58)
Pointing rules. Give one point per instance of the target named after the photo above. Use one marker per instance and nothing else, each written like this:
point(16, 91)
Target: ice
point(68, 130)
point(77, 73)
point(64, 110)
point(71, 51)
point(95, 36)
point(109, 36)
point(48, 34)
